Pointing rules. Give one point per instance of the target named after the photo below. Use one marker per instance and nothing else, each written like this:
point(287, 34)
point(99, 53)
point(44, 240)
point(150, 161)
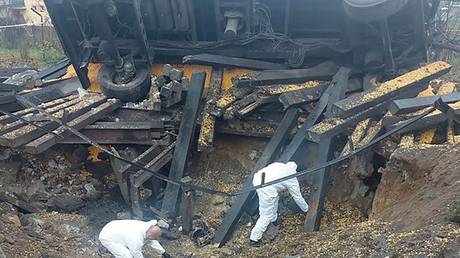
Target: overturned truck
point(300, 72)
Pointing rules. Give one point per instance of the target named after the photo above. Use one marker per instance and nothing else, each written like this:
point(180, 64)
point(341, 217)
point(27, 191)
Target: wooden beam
point(208, 121)
point(234, 213)
point(184, 139)
point(9, 119)
point(322, 72)
point(334, 126)
point(407, 85)
point(312, 119)
point(47, 141)
point(34, 117)
point(28, 133)
point(405, 106)
point(218, 60)
point(135, 137)
point(141, 176)
point(319, 191)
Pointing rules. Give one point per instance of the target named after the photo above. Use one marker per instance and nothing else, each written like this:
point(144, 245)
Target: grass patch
point(37, 56)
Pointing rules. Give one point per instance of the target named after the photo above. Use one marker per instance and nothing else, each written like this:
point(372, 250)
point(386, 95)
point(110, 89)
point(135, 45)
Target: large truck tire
point(372, 10)
point(133, 91)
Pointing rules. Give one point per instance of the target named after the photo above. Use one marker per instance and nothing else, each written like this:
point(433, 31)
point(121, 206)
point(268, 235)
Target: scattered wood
point(36, 117)
point(47, 141)
point(28, 133)
point(9, 119)
point(406, 85)
point(314, 116)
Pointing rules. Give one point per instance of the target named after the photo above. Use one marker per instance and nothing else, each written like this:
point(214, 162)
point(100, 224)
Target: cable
point(229, 194)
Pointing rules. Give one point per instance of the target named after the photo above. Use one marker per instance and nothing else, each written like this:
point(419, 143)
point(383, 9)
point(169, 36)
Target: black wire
point(248, 190)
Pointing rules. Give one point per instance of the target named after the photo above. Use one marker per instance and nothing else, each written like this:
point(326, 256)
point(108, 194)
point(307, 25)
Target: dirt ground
point(411, 217)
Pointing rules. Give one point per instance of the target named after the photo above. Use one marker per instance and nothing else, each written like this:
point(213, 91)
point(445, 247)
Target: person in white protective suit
point(269, 195)
point(125, 238)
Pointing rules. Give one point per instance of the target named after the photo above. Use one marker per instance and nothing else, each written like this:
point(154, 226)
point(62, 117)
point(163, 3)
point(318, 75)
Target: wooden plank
point(405, 106)
point(29, 132)
point(208, 121)
point(299, 138)
point(36, 116)
point(185, 134)
point(47, 141)
point(299, 97)
point(130, 137)
point(356, 137)
point(141, 176)
point(319, 191)
point(322, 72)
point(234, 213)
point(142, 159)
point(251, 128)
point(320, 179)
point(125, 125)
point(8, 119)
point(406, 85)
point(209, 59)
point(333, 126)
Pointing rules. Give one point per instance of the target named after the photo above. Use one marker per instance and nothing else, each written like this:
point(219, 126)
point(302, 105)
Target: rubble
point(313, 99)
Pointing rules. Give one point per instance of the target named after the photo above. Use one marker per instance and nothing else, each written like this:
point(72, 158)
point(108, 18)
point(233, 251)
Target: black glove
point(166, 255)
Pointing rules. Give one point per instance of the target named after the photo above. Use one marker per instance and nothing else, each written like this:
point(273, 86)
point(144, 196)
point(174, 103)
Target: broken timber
point(29, 111)
point(159, 156)
point(334, 126)
point(28, 133)
point(334, 93)
point(433, 119)
point(406, 85)
point(208, 121)
point(234, 213)
point(404, 106)
point(313, 117)
point(185, 134)
point(321, 72)
point(319, 182)
point(47, 141)
point(209, 59)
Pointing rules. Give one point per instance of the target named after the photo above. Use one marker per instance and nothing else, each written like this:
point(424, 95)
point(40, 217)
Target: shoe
point(254, 243)
point(277, 222)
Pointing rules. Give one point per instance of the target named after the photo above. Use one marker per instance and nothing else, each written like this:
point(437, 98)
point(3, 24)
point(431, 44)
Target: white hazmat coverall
point(269, 195)
point(125, 238)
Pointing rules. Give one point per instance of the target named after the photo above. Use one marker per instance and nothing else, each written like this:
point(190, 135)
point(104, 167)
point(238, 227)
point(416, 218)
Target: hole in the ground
point(373, 181)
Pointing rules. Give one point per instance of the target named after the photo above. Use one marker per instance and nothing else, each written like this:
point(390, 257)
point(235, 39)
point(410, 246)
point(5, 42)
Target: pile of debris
point(327, 110)
point(336, 118)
